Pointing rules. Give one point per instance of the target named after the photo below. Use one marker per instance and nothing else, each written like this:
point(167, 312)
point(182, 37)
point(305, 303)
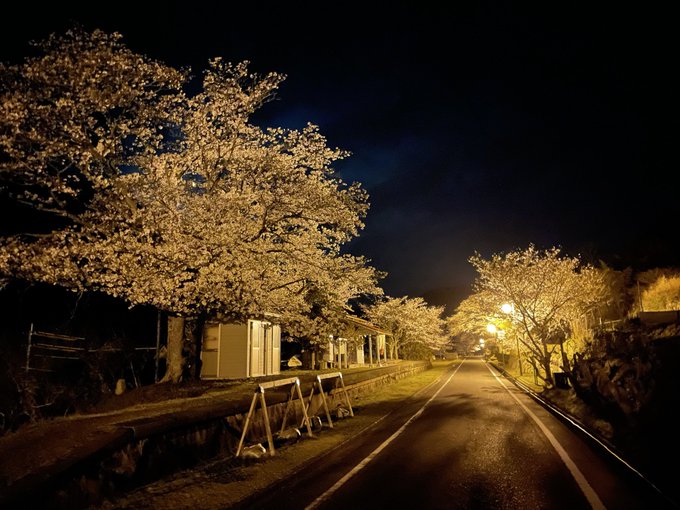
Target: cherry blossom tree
point(207, 214)
point(412, 322)
point(547, 293)
point(75, 115)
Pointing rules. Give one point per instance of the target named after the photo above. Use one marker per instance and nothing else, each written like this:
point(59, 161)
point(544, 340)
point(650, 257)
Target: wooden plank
point(53, 356)
point(52, 347)
point(349, 404)
point(324, 399)
point(325, 404)
point(307, 406)
point(329, 375)
point(57, 336)
point(293, 382)
point(285, 413)
point(246, 425)
point(304, 410)
point(305, 416)
point(280, 382)
point(28, 348)
point(267, 425)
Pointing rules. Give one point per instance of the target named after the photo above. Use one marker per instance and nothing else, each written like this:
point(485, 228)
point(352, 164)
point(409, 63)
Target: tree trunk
point(194, 345)
point(174, 361)
point(546, 366)
point(566, 365)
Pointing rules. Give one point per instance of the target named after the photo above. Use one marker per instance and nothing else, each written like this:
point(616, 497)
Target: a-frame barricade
point(294, 384)
point(318, 384)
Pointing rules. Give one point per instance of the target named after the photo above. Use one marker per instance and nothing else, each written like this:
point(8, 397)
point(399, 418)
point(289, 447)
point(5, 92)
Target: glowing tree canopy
point(545, 292)
point(163, 198)
point(411, 321)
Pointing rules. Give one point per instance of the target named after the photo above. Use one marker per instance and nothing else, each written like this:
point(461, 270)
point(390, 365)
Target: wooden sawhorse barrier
point(294, 384)
point(318, 384)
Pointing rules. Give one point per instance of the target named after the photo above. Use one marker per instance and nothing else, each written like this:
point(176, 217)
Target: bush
point(615, 373)
point(663, 294)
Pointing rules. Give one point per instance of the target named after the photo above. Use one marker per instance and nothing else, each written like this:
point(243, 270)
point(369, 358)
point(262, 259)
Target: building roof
point(364, 327)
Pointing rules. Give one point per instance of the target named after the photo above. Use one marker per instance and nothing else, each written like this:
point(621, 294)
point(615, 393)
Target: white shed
point(237, 351)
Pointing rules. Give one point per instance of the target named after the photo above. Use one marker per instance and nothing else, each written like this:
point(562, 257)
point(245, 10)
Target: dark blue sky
point(474, 126)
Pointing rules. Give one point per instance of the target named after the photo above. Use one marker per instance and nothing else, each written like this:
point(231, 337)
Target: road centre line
point(583, 484)
point(323, 497)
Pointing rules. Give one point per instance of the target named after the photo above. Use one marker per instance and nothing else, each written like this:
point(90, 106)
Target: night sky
point(474, 126)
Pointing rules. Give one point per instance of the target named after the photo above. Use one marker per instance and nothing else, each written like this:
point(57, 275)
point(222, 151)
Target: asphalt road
point(470, 441)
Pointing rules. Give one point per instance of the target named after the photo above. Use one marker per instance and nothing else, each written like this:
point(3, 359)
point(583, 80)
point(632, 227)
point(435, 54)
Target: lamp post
point(491, 328)
point(508, 309)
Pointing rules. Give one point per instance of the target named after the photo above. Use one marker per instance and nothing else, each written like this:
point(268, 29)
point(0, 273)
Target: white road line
point(585, 487)
point(323, 497)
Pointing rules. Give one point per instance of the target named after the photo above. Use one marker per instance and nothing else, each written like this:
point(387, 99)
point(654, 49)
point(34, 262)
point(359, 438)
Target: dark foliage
point(615, 374)
point(111, 334)
point(629, 378)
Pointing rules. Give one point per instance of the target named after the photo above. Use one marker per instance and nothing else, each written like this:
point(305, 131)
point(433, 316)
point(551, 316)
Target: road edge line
point(361, 465)
point(586, 488)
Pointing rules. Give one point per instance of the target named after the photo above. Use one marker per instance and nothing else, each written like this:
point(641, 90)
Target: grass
point(408, 386)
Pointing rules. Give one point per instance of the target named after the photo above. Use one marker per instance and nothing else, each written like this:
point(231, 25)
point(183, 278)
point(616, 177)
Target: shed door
point(276, 351)
point(268, 347)
point(210, 351)
point(271, 348)
point(256, 332)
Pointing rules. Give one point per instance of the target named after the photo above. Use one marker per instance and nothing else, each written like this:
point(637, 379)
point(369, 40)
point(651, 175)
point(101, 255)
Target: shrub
point(663, 294)
point(615, 373)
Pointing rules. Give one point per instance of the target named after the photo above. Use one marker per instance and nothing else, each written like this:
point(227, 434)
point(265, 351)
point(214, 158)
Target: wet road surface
point(470, 441)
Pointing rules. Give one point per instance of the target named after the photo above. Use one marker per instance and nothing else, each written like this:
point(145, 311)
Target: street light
point(491, 328)
point(508, 309)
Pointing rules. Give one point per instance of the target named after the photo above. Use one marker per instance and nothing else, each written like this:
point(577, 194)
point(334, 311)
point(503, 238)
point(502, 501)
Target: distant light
point(506, 308)
point(491, 328)
point(481, 341)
